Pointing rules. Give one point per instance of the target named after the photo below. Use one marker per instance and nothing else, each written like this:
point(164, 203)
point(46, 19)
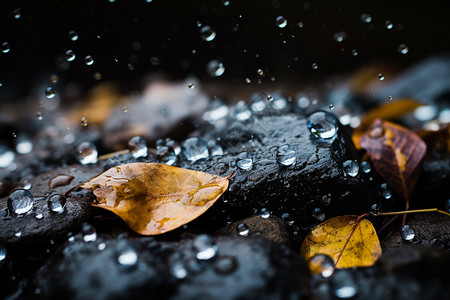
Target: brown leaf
point(349, 241)
point(396, 154)
point(155, 198)
point(387, 111)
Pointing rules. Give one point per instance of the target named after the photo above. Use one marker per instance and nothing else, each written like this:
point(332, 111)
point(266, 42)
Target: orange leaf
point(396, 154)
point(155, 198)
point(350, 242)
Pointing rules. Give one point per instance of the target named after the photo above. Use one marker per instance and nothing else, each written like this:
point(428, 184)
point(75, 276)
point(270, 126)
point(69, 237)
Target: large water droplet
point(403, 49)
point(242, 229)
point(87, 153)
point(207, 33)
point(5, 47)
point(366, 18)
point(408, 233)
point(215, 68)
point(166, 155)
point(225, 264)
point(351, 167)
point(286, 155)
point(138, 146)
point(322, 124)
point(194, 148)
point(20, 201)
point(6, 156)
point(89, 233)
point(73, 35)
point(50, 92)
point(3, 252)
point(322, 264)
point(264, 213)
point(215, 149)
point(56, 203)
point(244, 161)
point(70, 55)
point(205, 247)
point(88, 60)
point(281, 22)
point(240, 111)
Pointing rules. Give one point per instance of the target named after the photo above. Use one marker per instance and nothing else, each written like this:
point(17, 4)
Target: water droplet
point(390, 98)
point(350, 167)
point(215, 149)
point(339, 36)
point(355, 52)
point(24, 145)
point(205, 247)
point(321, 264)
point(242, 229)
point(278, 101)
point(3, 252)
point(385, 191)
point(380, 76)
point(97, 75)
point(225, 264)
point(26, 184)
point(17, 13)
point(166, 155)
point(178, 270)
point(191, 86)
point(408, 233)
point(258, 103)
point(88, 60)
point(50, 93)
point(207, 33)
point(331, 106)
point(264, 213)
point(215, 68)
point(56, 203)
point(426, 112)
point(6, 156)
point(73, 36)
point(365, 167)
point(244, 161)
point(366, 18)
point(89, 233)
point(322, 125)
point(18, 233)
point(194, 149)
point(54, 78)
point(240, 111)
point(326, 200)
point(20, 201)
point(125, 109)
point(87, 153)
point(38, 214)
point(260, 72)
point(247, 80)
point(375, 209)
point(70, 55)
point(403, 49)
point(127, 255)
point(84, 122)
point(217, 111)
point(318, 214)
point(101, 246)
point(281, 22)
point(388, 24)
point(5, 47)
point(314, 66)
point(286, 155)
point(138, 146)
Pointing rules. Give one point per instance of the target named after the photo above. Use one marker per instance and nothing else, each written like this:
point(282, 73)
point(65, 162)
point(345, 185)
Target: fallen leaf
point(349, 241)
point(396, 154)
point(387, 111)
point(155, 198)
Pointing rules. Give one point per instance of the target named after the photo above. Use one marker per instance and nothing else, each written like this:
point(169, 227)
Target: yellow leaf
point(155, 198)
point(348, 241)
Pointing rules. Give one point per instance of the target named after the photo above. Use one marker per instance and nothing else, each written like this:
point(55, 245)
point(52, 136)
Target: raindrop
point(20, 201)
point(205, 247)
point(127, 255)
point(225, 264)
point(56, 203)
point(375, 209)
point(403, 49)
point(355, 52)
point(6, 156)
point(264, 213)
point(207, 33)
point(84, 122)
point(39, 116)
point(380, 76)
point(215, 149)
point(286, 155)
point(87, 153)
point(215, 68)
point(194, 149)
point(88, 60)
point(322, 125)
point(178, 270)
point(242, 229)
point(408, 233)
point(388, 24)
point(385, 191)
point(73, 36)
point(365, 167)
point(2, 252)
point(339, 36)
point(318, 214)
point(166, 155)
point(240, 111)
point(366, 18)
point(350, 167)
point(321, 264)
point(89, 233)
point(191, 86)
point(69, 55)
point(281, 22)
point(260, 72)
point(138, 146)
point(5, 47)
point(314, 66)
point(50, 93)
point(244, 161)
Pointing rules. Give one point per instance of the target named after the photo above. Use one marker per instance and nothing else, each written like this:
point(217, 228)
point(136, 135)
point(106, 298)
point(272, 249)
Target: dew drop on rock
point(318, 214)
point(207, 33)
point(321, 264)
point(366, 18)
point(365, 167)
point(281, 22)
point(403, 49)
point(70, 55)
point(6, 156)
point(87, 153)
point(322, 125)
point(89, 60)
point(215, 149)
point(20, 201)
point(205, 247)
point(286, 155)
point(385, 191)
point(38, 214)
point(138, 146)
point(5, 47)
point(388, 24)
point(73, 36)
point(225, 264)
point(351, 167)
point(244, 161)
point(240, 111)
point(264, 213)
point(178, 270)
point(215, 68)
point(242, 229)
point(194, 148)
point(89, 233)
point(3, 252)
point(407, 233)
point(166, 155)
point(57, 203)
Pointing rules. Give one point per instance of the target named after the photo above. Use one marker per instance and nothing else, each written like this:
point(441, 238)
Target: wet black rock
point(136, 268)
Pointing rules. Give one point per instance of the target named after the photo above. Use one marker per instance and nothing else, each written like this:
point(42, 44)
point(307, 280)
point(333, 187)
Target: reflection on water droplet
point(322, 125)
point(56, 203)
point(127, 255)
point(194, 148)
point(73, 35)
point(138, 146)
point(225, 264)
point(365, 167)
point(191, 86)
point(50, 93)
point(87, 153)
point(286, 155)
point(89, 60)
point(385, 191)
point(244, 161)
point(38, 214)
point(326, 200)
point(101, 246)
point(339, 36)
point(350, 167)
point(97, 75)
point(242, 229)
point(3, 252)
point(226, 2)
point(207, 33)
point(17, 13)
point(240, 111)
point(366, 18)
point(318, 214)
point(20, 201)
point(388, 24)
point(403, 49)
point(39, 116)
point(215, 68)
point(315, 66)
point(264, 213)
point(54, 78)
point(205, 247)
point(355, 52)
point(344, 285)
point(408, 233)
point(390, 98)
point(89, 233)
point(281, 22)
point(321, 264)
point(380, 76)
point(70, 55)
point(5, 47)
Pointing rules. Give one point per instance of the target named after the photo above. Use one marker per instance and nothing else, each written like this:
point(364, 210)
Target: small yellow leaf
point(348, 241)
point(155, 198)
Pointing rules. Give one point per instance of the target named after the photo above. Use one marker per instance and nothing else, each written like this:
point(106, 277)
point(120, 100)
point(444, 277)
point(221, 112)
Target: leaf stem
point(414, 211)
